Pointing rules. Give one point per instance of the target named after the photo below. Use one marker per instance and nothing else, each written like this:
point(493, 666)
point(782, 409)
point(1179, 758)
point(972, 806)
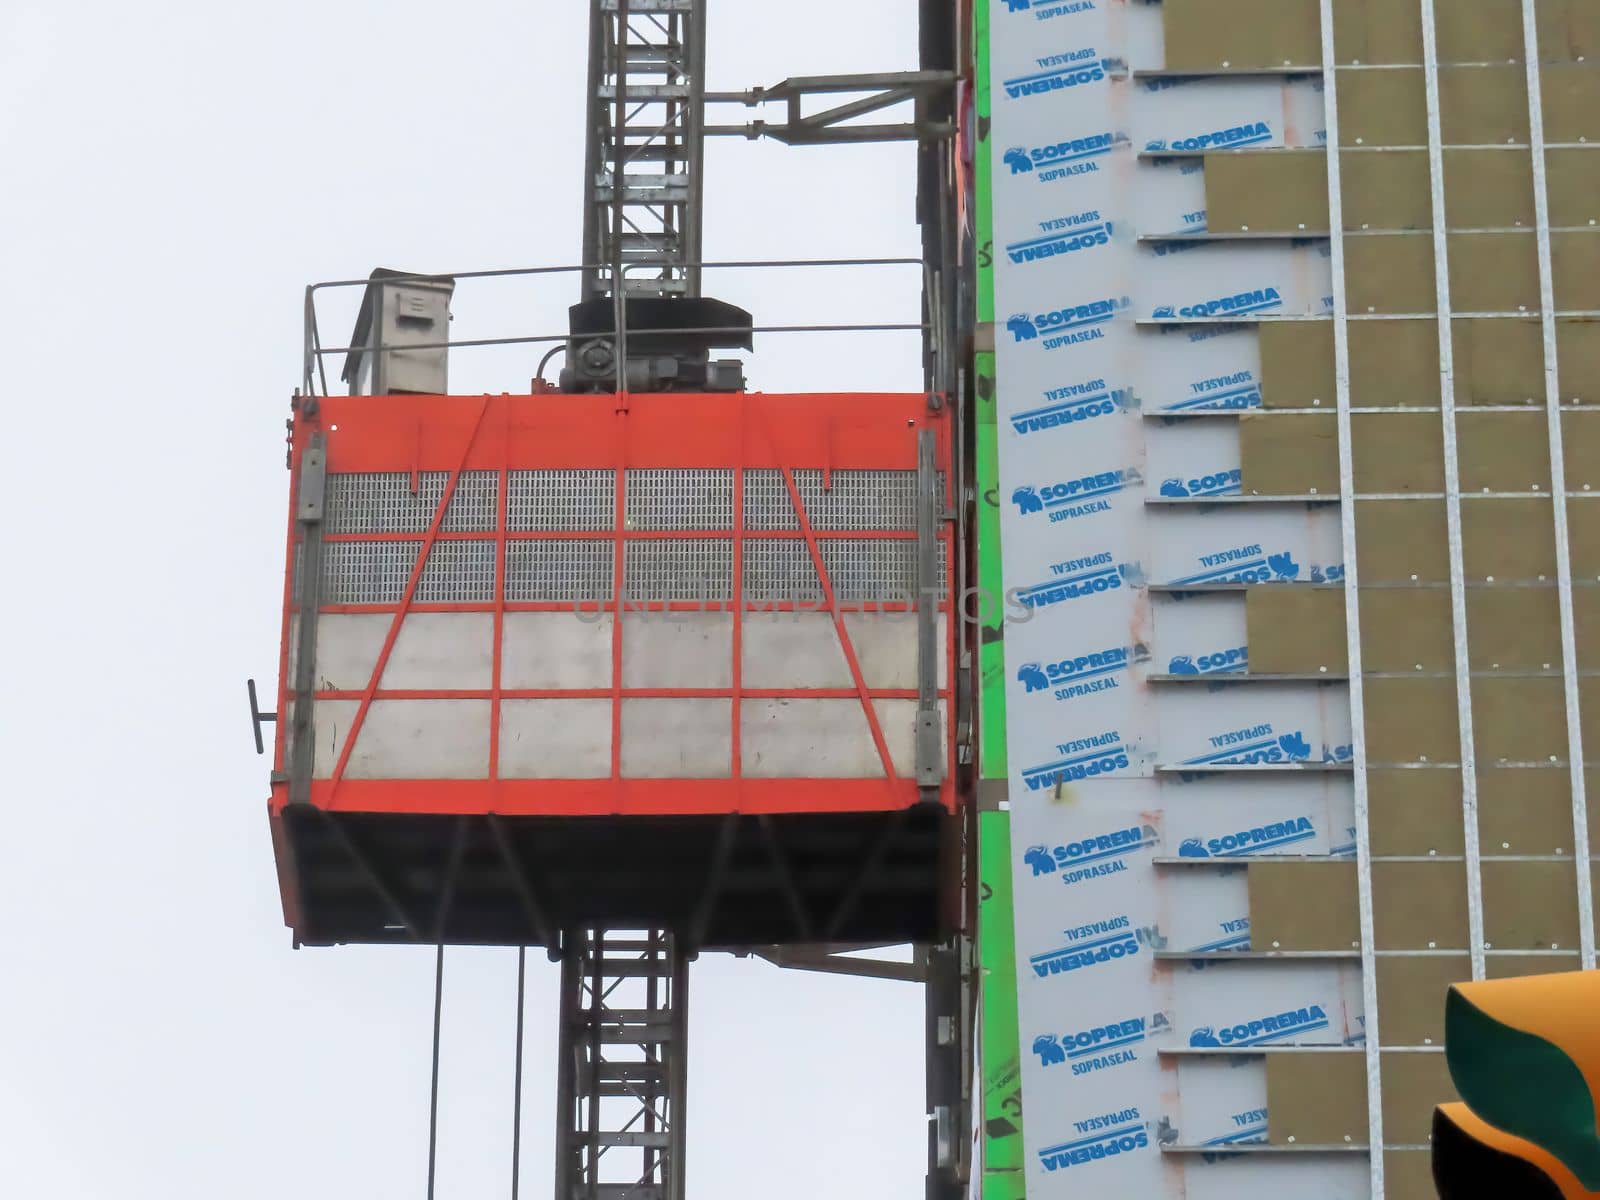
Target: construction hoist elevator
point(642, 664)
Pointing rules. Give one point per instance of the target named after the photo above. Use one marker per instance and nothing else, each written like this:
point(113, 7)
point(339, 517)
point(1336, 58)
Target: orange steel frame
point(503, 433)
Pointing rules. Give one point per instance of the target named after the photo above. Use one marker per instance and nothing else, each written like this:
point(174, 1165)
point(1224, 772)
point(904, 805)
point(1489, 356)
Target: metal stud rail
point(622, 1073)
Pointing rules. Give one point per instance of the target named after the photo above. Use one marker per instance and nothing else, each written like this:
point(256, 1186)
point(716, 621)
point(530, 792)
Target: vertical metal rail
point(1352, 609)
point(310, 505)
point(930, 743)
point(623, 1068)
point(646, 110)
point(1558, 486)
point(1452, 494)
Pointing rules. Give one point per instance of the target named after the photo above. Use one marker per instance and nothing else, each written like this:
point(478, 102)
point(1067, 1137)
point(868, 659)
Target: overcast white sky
point(171, 175)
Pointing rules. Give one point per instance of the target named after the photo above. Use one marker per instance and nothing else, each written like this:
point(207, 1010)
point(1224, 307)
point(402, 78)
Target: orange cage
point(466, 540)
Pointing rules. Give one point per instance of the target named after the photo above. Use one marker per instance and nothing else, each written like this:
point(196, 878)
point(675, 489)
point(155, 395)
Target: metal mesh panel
point(680, 499)
point(875, 569)
point(367, 572)
point(458, 573)
point(852, 499)
point(562, 501)
point(383, 502)
point(679, 569)
point(559, 571)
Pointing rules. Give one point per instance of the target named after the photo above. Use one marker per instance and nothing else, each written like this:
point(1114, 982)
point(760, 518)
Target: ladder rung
point(634, 1137)
point(635, 92)
point(626, 1191)
point(636, 1035)
point(644, 6)
point(634, 1072)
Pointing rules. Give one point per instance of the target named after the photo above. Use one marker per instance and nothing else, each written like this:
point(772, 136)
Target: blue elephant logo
point(1027, 500)
point(1017, 5)
point(1182, 665)
point(1284, 566)
point(1174, 487)
point(1165, 313)
point(1048, 1047)
point(1132, 574)
point(1295, 746)
point(1193, 848)
point(1039, 858)
point(1204, 1038)
point(1021, 327)
point(1033, 675)
point(1017, 159)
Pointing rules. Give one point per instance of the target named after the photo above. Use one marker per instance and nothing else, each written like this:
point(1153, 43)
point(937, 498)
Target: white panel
point(1191, 115)
point(441, 651)
point(1260, 1003)
point(1239, 724)
point(677, 739)
point(808, 739)
point(1198, 368)
point(1192, 459)
point(1251, 1177)
point(559, 650)
point(555, 739)
point(331, 720)
point(1221, 1101)
point(1209, 280)
point(796, 650)
point(1233, 816)
point(422, 739)
point(1249, 544)
point(1204, 910)
point(1170, 197)
point(886, 648)
point(677, 650)
point(1199, 634)
point(347, 649)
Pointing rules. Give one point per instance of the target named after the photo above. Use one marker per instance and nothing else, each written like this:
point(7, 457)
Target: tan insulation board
point(1411, 992)
point(1589, 722)
point(1569, 30)
point(1391, 274)
point(1586, 624)
point(1414, 813)
point(1487, 189)
point(1386, 191)
point(1400, 541)
point(1303, 906)
point(1419, 905)
point(1503, 452)
point(1412, 720)
point(1499, 360)
point(1297, 364)
point(1530, 905)
point(1505, 539)
point(1397, 452)
point(1578, 351)
point(1414, 1083)
point(1524, 811)
point(1241, 34)
point(1513, 629)
point(1316, 1099)
point(1286, 454)
point(1494, 272)
point(1519, 966)
point(1583, 534)
point(1479, 31)
point(1580, 438)
point(1575, 263)
point(1377, 31)
point(1294, 631)
point(1264, 191)
point(1406, 629)
point(1571, 102)
point(1572, 176)
point(1383, 108)
point(1483, 106)
point(1519, 718)
point(1408, 1175)
point(1394, 363)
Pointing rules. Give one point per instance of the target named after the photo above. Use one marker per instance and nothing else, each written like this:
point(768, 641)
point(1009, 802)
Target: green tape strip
point(1000, 1050)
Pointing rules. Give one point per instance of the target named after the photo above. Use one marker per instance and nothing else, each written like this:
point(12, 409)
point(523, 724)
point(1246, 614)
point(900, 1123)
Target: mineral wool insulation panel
point(1180, 741)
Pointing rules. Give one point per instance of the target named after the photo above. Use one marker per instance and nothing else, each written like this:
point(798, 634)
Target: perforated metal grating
point(568, 570)
point(690, 569)
point(367, 572)
point(680, 499)
point(383, 502)
point(562, 501)
point(859, 569)
point(458, 573)
point(852, 499)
